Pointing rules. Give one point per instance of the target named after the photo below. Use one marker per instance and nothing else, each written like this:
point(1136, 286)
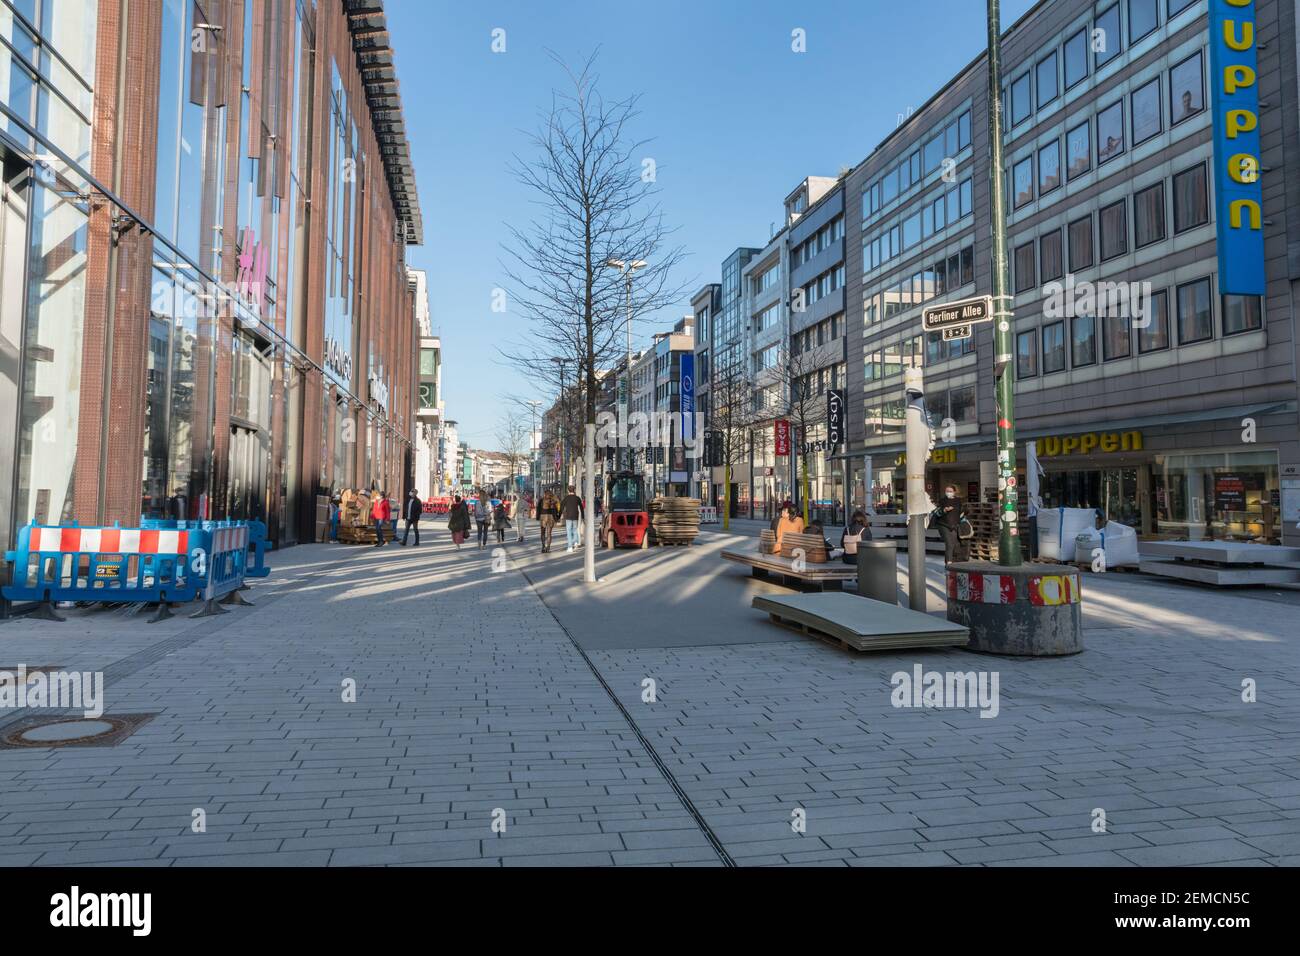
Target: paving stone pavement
point(471, 699)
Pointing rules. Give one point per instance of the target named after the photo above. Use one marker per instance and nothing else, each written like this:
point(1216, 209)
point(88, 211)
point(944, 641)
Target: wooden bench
point(782, 570)
point(812, 546)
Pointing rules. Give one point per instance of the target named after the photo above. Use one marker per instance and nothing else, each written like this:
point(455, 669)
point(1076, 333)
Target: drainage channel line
point(687, 804)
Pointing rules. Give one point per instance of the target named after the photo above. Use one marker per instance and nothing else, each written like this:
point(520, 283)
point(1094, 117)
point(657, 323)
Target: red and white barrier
point(111, 541)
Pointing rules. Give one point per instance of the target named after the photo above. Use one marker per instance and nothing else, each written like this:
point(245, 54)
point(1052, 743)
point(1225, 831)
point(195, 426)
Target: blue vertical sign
point(687, 395)
point(1239, 197)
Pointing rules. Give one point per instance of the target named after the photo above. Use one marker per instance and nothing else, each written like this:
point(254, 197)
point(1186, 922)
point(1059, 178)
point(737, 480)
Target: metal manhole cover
point(40, 731)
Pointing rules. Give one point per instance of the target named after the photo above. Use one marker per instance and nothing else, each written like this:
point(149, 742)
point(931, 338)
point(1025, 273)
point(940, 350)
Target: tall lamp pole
point(532, 450)
point(627, 267)
point(1003, 339)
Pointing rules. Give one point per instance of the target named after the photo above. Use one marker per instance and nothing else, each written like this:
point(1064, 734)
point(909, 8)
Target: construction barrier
point(226, 564)
point(258, 542)
point(708, 514)
point(116, 565)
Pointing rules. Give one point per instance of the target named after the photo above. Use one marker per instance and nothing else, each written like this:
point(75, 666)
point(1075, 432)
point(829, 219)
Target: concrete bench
point(783, 570)
point(862, 624)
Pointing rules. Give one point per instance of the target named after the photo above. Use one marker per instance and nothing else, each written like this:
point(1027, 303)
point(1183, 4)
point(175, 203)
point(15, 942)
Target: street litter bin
point(878, 570)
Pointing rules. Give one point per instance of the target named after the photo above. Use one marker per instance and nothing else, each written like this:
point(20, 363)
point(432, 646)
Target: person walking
point(548, 512)
point(856, 531)
point(458, 521)
point(571, 511)
point(949, 516)
point(414, 508)
point(381, 513)
point(482, 517)
point(519, 512)
point(500, 521)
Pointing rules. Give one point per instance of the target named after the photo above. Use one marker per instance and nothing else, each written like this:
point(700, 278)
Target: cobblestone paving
point(471, 698)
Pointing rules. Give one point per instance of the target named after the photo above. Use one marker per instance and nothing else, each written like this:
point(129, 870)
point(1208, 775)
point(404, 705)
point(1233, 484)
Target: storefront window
point(51, 391)
point(1218, 495)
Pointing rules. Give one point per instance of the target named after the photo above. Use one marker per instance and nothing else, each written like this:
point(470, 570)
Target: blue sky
point(736, 119)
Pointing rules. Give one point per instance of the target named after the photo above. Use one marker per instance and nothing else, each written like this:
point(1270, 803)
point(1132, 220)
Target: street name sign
point(958, 315)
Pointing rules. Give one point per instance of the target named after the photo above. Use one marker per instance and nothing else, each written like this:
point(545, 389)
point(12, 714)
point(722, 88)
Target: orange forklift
point(626, 522)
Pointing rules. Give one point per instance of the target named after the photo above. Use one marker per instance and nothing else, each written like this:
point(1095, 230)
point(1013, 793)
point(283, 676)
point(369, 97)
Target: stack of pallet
point(355, 525)
point(984, 517)
point(675, 520)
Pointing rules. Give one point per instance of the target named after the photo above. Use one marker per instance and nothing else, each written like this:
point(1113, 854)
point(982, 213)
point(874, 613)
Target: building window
point(1115, 334)
point(1145, 112)
point(1110, 132)
point(1027, 354)
point(1076, 58)
point(1195, 316)
point(1242, 313)
point(1049, 167)
point(968, 265)
point(1025, 278)
point(1178, 6)
point(1112, 225)
point(1153, 327)
point(1081, 244)
point(1143, 17)
point(1053, 348)
point(1022, 179)
point(1083, 340)
point(1149, 215)
point(1049, 87)
point(1021, 106)
point(1191, 199)
point(1050, 259)
point(1078, 150)
point(1186, 89)
point(961, 404)
point(1109, 42)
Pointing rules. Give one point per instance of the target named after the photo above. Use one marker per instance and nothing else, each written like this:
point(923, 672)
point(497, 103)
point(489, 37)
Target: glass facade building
point(204, 305)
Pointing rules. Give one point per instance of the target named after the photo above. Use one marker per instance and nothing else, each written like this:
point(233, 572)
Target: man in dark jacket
point(571, 512)
point(948, 517)
point(414, 508)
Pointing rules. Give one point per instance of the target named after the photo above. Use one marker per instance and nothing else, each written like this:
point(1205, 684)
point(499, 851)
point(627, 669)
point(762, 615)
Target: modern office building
point(429, 410)
point(204, 303)
point(1154, 319)
point(706, 305)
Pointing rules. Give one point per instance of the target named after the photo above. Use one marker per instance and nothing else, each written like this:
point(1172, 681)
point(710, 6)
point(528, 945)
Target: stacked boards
point(985, 518)
point(860, 623)
point(811, 547)
point(355, 524)
point(675, 520)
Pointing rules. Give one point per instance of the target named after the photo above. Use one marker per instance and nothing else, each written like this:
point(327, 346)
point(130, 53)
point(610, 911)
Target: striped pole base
point(1034, 610)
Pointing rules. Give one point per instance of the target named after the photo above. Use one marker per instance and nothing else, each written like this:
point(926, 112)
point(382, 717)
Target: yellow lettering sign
point(1240, 121)
point(1089, 442)
point(1245, 41)
point(1237, 76)
point(1234, 213)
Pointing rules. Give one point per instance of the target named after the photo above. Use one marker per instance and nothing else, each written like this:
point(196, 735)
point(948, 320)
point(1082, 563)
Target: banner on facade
point(687, 394)
point(835, 417)
point(1234, 89)
point(781, 436)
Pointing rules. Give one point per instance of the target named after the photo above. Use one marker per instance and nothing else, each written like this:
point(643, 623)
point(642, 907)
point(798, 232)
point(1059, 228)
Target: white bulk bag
point(1118, 541)
point(1057, 529)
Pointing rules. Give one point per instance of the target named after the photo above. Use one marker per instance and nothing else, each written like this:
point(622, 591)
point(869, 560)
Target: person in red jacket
point(381, 513)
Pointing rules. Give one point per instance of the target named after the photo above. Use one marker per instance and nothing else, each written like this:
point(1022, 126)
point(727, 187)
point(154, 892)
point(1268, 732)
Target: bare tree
point(802, 401)
point(513, 440)
point(595, 200)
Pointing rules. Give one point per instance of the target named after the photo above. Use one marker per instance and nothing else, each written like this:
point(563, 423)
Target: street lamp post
point(533, 404)
point(1004, 367)
point(627, 268)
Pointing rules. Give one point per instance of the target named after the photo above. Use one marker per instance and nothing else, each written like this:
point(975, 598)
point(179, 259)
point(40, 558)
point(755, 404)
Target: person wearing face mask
point(948, 516)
